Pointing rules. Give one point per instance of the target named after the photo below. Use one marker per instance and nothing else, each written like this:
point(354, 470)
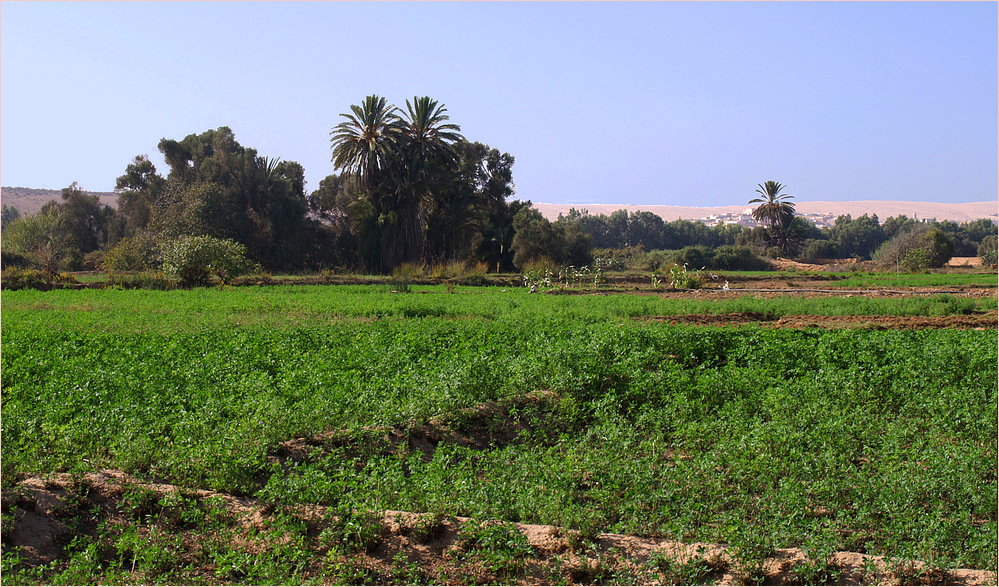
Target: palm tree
point(401, 163)
point(428, 134)
point(427, 153)
point(364, 142)
point(773, 208)
point(365, 147)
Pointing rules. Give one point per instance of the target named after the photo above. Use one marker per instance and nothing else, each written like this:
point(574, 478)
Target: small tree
point(134, 253)
point(915, 248)
point(195, 259)
point(987, 250)
point(43, 239)
point(10, 214)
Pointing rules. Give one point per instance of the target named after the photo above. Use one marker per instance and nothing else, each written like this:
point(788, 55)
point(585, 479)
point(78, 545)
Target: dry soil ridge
point(38, 526)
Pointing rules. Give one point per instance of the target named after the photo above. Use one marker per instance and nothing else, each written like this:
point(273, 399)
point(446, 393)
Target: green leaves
point(195, 259)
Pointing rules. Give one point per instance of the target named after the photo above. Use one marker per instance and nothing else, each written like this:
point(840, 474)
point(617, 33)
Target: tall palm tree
point(428, 152)
point(364, 142)
point(428, 134)
point(774, 208)
point(365, 147)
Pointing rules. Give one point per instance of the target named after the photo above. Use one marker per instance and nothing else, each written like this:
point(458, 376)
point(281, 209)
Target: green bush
point(156, 280)
point(43, 240)
point(737, 259)
point(726, 257)
point(196, 259)
point(137, 253)
point(9, 260)
point(915, 249)
point(820, 249)
point(987, 250)
point(697, 257)
point(626, 258)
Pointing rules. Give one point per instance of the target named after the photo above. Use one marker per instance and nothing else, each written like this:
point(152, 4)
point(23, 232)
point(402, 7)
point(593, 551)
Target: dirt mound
point(488, 425)
point(123, 518)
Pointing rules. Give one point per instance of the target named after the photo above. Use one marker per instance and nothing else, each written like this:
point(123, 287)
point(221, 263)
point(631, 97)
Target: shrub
point(136, 253)
point(987, 250)
point(820, 249)
point(657, 261)
point(737, 259)
point(155, 280)
point(914, 249)
point(626, 258)
point(195, 259)
point(10, 260)
point(699, 256)
point(16, 278)
point(92, 261)
point(403, 275)
point(773, 252)
point(43, 240)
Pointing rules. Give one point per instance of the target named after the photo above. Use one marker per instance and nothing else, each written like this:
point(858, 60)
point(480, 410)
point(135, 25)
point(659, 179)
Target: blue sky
point(673, 103)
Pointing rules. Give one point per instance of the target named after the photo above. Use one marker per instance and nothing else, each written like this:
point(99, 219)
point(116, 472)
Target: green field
point(880, 442)
point(289, 307)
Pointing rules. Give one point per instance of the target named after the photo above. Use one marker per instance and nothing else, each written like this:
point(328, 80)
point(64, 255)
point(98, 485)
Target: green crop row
point(284, 307)
point(543, 409)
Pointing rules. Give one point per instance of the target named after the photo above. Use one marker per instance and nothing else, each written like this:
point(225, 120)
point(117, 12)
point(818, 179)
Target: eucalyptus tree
point(10, 214)
point(138, 190)
point(216, 187)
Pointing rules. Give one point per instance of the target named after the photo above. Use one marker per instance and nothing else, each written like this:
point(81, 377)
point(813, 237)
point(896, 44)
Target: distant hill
point(883, 208)
point(29, 200)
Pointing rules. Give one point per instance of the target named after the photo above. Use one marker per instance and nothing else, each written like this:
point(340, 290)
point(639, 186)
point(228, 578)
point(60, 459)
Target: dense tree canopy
point(412, 189)
point(407, 187)
point(216, 187)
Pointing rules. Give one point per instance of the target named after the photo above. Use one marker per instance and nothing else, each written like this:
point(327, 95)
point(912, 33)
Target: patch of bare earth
point(960, 322)
point(442, 555)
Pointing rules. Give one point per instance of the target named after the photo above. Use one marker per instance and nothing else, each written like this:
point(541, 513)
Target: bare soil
point(42, 531)
point(976, 322)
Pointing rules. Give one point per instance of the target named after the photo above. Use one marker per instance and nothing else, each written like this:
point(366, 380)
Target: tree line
point(407, 188)
point(860, 238)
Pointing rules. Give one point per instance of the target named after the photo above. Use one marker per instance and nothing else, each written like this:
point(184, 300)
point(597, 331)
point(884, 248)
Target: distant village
point(745, 218)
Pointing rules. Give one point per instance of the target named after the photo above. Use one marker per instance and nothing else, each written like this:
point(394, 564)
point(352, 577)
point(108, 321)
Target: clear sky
point(672, 103)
